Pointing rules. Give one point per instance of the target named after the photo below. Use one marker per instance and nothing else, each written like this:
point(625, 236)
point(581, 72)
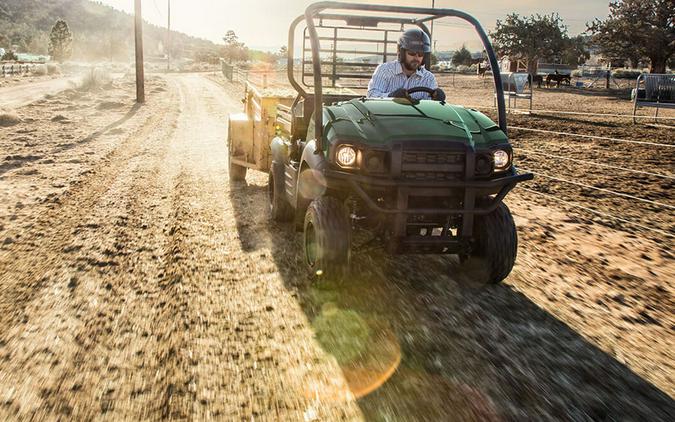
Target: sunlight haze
point(263, 24)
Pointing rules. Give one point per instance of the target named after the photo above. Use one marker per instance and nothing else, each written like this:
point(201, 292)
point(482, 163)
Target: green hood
point(382, 121)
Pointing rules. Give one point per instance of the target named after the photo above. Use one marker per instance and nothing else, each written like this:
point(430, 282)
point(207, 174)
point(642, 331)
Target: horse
point(482, 70)
point(538, 79)
point(558, 79)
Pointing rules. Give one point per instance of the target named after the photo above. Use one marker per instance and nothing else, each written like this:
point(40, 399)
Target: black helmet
point(415, 39)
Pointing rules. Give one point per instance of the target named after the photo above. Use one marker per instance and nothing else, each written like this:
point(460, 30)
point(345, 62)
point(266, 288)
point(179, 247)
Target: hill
point(99, 31)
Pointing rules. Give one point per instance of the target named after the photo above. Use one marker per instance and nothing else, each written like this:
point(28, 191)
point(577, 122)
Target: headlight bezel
point(352, 165)
point(509, 159)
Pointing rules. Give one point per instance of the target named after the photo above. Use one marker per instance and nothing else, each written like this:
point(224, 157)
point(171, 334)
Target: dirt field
point(137, 283)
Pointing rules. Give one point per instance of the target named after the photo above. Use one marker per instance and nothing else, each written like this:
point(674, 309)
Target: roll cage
point(420, 17)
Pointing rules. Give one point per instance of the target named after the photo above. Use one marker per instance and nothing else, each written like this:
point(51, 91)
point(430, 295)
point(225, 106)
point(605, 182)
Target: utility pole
point(140, 77)
point(433, 6)
point(168, 36)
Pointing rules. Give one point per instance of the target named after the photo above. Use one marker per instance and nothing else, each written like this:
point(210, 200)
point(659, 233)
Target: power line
point(157, 8)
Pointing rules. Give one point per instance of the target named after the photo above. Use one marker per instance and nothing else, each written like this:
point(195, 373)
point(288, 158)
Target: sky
point(263, 24)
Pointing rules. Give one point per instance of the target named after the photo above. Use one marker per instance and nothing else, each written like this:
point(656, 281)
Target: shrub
point(462, 68)
point(40, 70)
point(9, 118)
point(53, 69)
point(95, 79)
point(626, 73)
point(9, 56)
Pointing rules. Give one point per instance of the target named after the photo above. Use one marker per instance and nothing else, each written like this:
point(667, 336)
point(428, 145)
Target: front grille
point(429, 176)
point(432, 165)
point(433, 157)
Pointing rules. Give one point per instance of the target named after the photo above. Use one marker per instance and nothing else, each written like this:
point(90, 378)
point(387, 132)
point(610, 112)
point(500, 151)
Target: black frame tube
point(314, 9)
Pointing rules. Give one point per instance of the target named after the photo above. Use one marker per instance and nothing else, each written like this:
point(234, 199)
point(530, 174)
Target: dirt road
point(136, 283)
point(21, 95)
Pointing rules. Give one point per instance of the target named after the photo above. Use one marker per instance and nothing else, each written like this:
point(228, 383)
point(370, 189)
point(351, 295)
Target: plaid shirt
point(389, 77)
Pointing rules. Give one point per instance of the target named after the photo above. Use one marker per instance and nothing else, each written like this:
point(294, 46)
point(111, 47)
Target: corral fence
point(592, 71)
point(8, 69)
point(562, 69)
point(261, 77)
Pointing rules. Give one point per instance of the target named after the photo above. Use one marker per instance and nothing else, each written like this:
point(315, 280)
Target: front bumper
point(491, 192)
point(478, 188)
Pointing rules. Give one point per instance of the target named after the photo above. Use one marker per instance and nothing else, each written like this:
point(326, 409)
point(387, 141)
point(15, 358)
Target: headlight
point(346, 156)
point(502, 159)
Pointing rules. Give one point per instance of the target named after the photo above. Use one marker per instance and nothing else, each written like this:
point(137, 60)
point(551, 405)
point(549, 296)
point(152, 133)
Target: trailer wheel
point(237, 173)
point(280, 209)
point(327, 239)
point(495, 247)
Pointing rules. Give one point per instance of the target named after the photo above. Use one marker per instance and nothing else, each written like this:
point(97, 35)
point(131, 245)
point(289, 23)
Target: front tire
point(495, 248)
point(327, 239)
point(280, 209)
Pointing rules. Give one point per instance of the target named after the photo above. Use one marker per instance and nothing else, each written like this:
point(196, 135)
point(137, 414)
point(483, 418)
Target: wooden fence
point(12, 68)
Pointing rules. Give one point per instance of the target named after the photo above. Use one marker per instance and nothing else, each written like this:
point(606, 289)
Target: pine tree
point(60, 41)
point(462, 56)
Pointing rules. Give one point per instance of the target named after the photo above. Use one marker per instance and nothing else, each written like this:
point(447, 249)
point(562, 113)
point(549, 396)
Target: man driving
point(395, 78)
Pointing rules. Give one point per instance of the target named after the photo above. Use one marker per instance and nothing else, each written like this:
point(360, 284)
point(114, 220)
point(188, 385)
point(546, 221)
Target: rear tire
point(280, 209)
point(237, 173)
point(495, 248)
point(327, 239)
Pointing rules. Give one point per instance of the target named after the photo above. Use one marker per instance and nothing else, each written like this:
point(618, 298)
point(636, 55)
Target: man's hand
point(399, 93)
point(439, 95)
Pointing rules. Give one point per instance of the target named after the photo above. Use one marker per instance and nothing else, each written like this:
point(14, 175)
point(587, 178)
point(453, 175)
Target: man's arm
point(377, 87)
point(434, 84)
point(439, 95)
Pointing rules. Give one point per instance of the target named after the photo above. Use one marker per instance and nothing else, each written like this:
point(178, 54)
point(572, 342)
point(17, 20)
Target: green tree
point(9, 56)
point(60, 41)
point(635, 29)
point(530, 38)
point(235, 50)
point(462, 56)
point(575, 51)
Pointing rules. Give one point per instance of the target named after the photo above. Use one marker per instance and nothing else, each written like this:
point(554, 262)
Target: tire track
point(87, 287)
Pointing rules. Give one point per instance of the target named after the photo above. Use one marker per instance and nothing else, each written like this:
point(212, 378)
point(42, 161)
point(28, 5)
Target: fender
point(310, 184)
point(240, 131)
point(279, 151)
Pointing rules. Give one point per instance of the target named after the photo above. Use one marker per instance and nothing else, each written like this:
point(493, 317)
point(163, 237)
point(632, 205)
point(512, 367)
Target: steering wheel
point(415, 89)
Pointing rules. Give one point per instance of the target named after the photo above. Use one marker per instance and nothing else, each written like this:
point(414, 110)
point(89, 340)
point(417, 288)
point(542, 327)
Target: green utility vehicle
point(412, 176)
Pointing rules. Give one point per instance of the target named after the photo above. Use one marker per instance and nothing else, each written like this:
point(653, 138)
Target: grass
point(95, 79)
